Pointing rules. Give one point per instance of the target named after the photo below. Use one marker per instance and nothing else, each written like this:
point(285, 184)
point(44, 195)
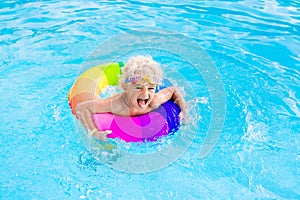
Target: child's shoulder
point(166, 92)
point(118, 105)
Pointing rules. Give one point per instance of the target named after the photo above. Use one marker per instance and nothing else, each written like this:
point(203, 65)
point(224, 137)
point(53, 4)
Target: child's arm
point(170, 93)
point(178, 99)
point(84, 112)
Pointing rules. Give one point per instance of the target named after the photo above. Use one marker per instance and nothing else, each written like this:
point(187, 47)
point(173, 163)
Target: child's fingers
point(181, 116)
point(107, 132)
point(101, 135)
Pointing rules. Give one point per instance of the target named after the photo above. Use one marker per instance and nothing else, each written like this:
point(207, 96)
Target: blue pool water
point(254, 45)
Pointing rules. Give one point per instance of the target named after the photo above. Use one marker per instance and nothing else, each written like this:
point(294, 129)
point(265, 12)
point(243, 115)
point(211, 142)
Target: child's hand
point(100, 135)
point(183, 115)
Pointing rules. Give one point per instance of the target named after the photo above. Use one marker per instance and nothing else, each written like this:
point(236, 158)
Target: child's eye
point(151, 88)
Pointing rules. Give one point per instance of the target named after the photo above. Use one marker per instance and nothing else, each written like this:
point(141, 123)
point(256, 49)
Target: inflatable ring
point(151, 126)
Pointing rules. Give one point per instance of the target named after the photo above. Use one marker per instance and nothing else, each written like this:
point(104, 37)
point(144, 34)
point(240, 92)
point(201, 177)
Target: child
point(139, 78)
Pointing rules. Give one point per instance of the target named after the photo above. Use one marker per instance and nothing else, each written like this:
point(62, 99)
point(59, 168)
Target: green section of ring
point(112, 72)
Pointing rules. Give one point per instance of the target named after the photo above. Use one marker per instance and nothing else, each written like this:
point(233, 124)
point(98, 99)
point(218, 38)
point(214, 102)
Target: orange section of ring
point(80, 98)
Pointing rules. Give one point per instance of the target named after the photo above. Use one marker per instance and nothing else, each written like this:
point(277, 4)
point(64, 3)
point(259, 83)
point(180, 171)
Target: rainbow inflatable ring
point(148, 127)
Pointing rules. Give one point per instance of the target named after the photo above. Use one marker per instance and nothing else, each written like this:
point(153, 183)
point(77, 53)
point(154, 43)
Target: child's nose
point(144, 90)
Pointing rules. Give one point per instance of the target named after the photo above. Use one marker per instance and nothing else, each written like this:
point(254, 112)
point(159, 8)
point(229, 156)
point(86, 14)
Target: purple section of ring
point(172, 116)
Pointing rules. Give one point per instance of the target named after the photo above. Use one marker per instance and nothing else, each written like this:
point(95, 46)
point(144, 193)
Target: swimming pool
point(255, 47)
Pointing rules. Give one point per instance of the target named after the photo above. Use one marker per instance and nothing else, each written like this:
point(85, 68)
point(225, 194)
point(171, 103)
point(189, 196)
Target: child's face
point(140, 95)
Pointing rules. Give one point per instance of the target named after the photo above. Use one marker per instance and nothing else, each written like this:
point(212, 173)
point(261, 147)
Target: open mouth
point(142, 102)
